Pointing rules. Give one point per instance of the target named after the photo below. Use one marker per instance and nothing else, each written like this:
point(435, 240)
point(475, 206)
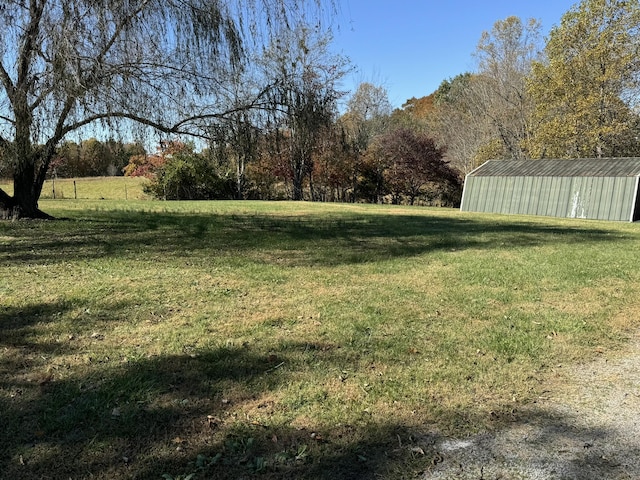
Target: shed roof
point(586, 167)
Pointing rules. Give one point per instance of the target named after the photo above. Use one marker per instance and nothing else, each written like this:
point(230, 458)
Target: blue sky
point(411, 46)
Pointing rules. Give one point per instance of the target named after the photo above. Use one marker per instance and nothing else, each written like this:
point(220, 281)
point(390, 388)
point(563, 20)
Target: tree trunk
point(31, 165)
point(298, 180)
point(27, 187)
point(8, 208)
point(312, 192)
point(297, 188)
point(20, 206)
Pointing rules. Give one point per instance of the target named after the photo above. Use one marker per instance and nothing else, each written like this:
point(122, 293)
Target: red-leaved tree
point(412, 161)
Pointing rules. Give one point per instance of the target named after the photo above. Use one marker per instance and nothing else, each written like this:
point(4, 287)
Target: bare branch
point(7, 119)
point(7, 83)
point(28, 42)
point(165, 64)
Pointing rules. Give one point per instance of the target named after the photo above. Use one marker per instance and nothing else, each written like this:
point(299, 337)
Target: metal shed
point(601, 189)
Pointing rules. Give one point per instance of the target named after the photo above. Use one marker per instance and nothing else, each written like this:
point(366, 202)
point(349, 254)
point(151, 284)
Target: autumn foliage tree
point(586, 91)
point(306, 94)
point(410, 162)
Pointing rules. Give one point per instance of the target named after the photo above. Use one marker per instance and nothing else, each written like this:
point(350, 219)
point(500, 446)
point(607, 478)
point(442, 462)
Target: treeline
point(93, 158)
point(574, 94)
point(283, 133)
point(368, 154)
point(402, 166)
point(275, 123)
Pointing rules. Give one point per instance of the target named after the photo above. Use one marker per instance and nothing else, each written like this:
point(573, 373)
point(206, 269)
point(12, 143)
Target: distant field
point(90, 188)
point(288, 340)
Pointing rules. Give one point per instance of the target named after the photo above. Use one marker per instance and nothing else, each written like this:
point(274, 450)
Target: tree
point(183, 174)
point(419, 108)
point(412, 160)
point(144, 165)
point(586, 91)
point(459, 122)
point(307, 77)
point(368, 115)
point(235, 145)
point(505, 56)
point(334, 167)
point(69, 65)
point(486, 114)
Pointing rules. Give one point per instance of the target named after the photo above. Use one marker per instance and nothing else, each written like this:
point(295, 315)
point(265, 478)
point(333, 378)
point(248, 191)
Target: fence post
point(75, 191)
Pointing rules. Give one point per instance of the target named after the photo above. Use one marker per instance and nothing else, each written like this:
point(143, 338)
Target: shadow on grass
point(183, 414)
point(311, 239)
point(19, 318)
point(143, 417)
point(156, 415)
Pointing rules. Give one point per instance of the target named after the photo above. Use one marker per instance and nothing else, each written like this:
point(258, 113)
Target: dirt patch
point(586, 427)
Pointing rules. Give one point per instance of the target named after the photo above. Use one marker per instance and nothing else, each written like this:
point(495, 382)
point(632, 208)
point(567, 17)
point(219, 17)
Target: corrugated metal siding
point(602, 198)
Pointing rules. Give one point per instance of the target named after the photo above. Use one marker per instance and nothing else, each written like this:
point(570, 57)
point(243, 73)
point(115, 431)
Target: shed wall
point(600, 198)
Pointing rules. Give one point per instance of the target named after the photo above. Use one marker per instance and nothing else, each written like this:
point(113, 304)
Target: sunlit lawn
point(300, 340)
point(89, 188)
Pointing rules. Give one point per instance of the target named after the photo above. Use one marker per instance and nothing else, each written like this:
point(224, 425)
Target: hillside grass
point(89, 188)
point(288, 340)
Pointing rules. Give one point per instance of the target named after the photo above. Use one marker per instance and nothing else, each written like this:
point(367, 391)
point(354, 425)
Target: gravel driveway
point(588, 427)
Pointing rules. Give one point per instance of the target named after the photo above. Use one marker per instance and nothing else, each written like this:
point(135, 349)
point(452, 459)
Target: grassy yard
point(89, 188)
point(288, 340)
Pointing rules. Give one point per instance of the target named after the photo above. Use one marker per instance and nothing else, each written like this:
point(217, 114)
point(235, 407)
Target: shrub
point(187, 175)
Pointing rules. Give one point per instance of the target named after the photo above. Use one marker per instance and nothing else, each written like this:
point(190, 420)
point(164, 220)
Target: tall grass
point(228, 339)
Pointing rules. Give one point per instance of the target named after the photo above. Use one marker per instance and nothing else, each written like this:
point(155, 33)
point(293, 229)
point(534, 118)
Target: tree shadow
point(539, 442)
point(18, 318)
point(79, 425)
point(178, 415)
point(308, 240)
point(149, 415)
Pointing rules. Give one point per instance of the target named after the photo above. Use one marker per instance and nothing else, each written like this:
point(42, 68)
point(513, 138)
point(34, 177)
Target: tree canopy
point(66, 65)
point(575, 96)
point(586, 91)
point(260, 85)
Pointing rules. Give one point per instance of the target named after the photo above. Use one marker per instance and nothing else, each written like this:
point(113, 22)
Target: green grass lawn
point(276, 339)
point(89, 188)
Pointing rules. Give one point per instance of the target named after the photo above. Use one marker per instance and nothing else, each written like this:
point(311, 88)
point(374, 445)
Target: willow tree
point(586, 92)
point(69, 65)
